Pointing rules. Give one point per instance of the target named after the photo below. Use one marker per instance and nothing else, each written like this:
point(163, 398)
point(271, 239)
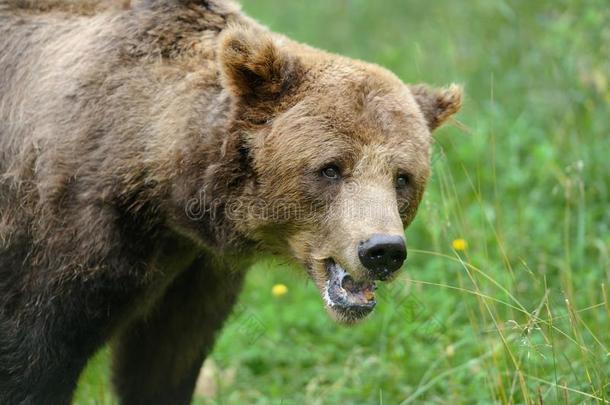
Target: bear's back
point(61, 56)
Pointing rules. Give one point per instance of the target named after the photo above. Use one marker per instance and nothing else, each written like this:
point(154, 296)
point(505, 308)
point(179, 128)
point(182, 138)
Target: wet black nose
point(382, 254)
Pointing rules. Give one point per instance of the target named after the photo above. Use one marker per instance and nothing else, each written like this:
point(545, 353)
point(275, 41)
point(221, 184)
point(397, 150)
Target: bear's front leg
point(48, 333)
point(157, 358)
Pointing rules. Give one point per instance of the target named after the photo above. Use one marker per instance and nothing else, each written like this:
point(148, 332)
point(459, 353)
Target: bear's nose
point(382, 254)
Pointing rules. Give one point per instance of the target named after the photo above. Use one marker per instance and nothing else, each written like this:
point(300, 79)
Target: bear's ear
point(437, 105)
point(253, 66)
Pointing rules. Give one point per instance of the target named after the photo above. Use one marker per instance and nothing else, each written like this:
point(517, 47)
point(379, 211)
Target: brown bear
point(151, 150)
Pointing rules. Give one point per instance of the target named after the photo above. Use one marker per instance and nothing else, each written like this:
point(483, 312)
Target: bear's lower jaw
point(348, 300)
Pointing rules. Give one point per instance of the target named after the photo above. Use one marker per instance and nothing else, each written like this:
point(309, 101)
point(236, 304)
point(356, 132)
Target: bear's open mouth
point(353, 299)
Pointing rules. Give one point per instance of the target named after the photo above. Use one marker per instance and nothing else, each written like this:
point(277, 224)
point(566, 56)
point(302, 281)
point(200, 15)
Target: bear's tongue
point(344, 291)
point(354, 287)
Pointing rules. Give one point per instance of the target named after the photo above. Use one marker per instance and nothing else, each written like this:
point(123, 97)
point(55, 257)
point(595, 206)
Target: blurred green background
point(519, 316)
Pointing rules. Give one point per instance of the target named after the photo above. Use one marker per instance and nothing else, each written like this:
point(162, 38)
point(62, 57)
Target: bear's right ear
point(252, 65)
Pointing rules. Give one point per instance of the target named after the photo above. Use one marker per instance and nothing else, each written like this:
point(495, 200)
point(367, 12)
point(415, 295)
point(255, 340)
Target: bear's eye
point(331, 172)
point(402, 180)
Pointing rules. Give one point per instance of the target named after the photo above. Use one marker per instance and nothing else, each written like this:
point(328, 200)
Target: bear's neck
point(195, 164)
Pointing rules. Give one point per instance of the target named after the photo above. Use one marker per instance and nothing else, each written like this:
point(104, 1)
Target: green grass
point(522, 315)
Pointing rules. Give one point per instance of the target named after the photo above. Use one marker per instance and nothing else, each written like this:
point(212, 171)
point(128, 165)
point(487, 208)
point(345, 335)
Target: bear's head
point(338, 152)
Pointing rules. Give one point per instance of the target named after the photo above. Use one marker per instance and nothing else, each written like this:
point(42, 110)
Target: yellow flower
point(278, 290)
point(459, 244)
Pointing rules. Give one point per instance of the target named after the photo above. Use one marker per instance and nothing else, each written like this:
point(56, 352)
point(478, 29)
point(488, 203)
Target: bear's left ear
point(253, 66)
point(437, 105)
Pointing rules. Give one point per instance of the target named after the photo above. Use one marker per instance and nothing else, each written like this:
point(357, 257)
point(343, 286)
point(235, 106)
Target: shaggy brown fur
point(147, 149)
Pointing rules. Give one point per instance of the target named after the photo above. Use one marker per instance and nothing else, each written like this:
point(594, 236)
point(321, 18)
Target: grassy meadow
point(504, 298)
